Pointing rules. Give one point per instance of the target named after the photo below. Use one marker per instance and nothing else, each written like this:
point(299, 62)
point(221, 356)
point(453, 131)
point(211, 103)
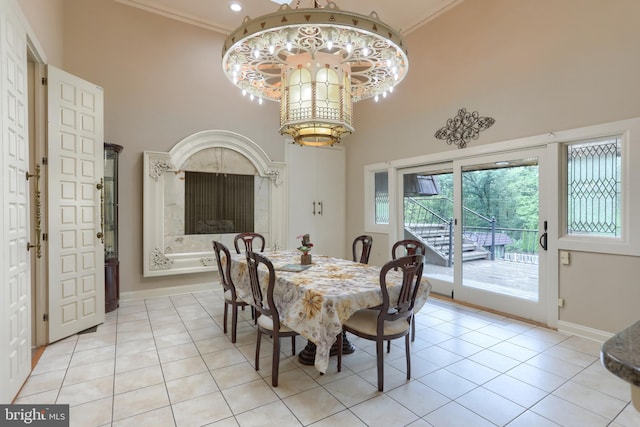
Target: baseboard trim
point(163, 292)
point(583, 331)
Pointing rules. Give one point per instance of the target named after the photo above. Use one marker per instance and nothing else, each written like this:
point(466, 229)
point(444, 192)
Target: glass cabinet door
point(110, 204)
point(110, 212)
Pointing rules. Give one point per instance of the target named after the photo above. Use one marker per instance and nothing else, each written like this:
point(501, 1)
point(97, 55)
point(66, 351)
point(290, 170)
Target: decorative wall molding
point(274, 175)
point(159, 165)
point(163, 249)
point(159, 261)
point(208, 261)
point(464, 127)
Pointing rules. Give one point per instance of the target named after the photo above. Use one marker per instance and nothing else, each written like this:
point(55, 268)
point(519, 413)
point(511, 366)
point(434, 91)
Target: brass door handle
point(100, 234)
point(38, 219)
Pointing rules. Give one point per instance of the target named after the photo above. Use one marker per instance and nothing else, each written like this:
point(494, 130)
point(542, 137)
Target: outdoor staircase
point(435, 230)
point(439, 244)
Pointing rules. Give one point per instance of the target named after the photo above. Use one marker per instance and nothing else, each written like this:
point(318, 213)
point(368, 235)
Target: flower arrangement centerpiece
point(305, 247)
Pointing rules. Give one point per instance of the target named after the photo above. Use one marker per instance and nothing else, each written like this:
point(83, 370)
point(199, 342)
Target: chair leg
point(339, 345)
point(389, 346)
point(380, 360)
point(234, 322)
point(275, 360)
point(413, 328)
point(408, 355)
point(293, 345)
point(258, 350)
point(224, 327)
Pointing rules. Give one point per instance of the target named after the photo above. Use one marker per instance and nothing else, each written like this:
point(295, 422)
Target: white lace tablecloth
point(317, 301)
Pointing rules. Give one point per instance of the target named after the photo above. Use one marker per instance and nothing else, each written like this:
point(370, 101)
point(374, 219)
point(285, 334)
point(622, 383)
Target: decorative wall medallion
point(159, 261)
point(463, 128)
point(158, 166)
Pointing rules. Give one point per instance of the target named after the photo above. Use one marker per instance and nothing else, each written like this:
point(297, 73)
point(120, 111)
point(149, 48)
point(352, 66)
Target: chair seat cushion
point(266, 322)
point(365, 321)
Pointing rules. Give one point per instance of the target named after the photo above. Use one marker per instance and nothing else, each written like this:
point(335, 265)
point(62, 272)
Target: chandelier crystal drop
point(316, 62)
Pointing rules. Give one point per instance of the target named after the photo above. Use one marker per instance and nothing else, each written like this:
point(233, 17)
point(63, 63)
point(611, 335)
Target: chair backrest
point(266, 307)
point(410, 246)
point(362, 246)
point(401, 308)
point(248, 239)
point(224, 270)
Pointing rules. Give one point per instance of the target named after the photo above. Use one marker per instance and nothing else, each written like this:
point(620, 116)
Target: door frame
point(37, 141)
point(534, 311)
point(439, 286)
point(548, 181)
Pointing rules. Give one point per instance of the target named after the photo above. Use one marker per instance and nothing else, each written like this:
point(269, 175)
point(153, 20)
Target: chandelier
point(316, 62)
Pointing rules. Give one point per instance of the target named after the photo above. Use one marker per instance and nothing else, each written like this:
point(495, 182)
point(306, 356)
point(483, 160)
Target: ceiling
point(216, 15)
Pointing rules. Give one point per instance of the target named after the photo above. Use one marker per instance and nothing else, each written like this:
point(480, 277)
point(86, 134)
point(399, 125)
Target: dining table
point(316, 299)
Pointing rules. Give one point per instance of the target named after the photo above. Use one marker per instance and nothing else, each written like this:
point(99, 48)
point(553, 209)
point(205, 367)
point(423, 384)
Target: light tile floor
point(166, 362)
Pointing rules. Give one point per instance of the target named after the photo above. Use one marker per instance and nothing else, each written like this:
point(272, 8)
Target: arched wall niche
point(167, 249)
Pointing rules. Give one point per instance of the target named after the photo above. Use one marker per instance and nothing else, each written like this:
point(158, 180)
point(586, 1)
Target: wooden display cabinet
point(111, 262)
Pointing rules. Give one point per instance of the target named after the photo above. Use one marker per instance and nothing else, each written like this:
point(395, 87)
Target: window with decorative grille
point(382, 197)
point(593, 187)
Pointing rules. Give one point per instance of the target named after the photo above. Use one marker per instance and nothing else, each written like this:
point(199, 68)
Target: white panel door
point(330, 201)
point(75, 168)
point(15, 298)
point(301, 170)
point(317, 198)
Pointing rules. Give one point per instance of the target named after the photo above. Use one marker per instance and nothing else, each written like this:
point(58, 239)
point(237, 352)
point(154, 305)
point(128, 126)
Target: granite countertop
point(620, 354)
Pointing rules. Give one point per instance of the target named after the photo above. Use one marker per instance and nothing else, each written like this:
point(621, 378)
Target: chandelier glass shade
point(316, 62)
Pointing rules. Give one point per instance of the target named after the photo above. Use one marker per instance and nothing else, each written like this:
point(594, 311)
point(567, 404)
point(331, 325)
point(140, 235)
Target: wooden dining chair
point(267, 312)
point(361, 248)
point(249, 239)
point(393, 318)
point(230, 296)
point(410, 247)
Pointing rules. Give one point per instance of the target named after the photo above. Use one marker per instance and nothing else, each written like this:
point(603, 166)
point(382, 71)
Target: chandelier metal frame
point(258, 54)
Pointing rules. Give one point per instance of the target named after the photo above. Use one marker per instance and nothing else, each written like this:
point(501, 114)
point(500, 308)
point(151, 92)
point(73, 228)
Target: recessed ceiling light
point(235, 6)
point(282, 1)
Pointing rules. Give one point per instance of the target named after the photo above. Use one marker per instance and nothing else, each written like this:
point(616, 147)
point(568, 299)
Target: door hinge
point(45, 236)
point(45, 317)
point(45, 161)
point(44, 81)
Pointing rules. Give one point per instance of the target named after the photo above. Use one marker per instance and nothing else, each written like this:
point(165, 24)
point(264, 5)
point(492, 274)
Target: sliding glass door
point(483, 223)
point(428, 216)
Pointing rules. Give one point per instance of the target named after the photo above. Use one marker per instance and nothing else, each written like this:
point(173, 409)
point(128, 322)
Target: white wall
point(46, 19)
point(163, 81)
point(535, 66)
